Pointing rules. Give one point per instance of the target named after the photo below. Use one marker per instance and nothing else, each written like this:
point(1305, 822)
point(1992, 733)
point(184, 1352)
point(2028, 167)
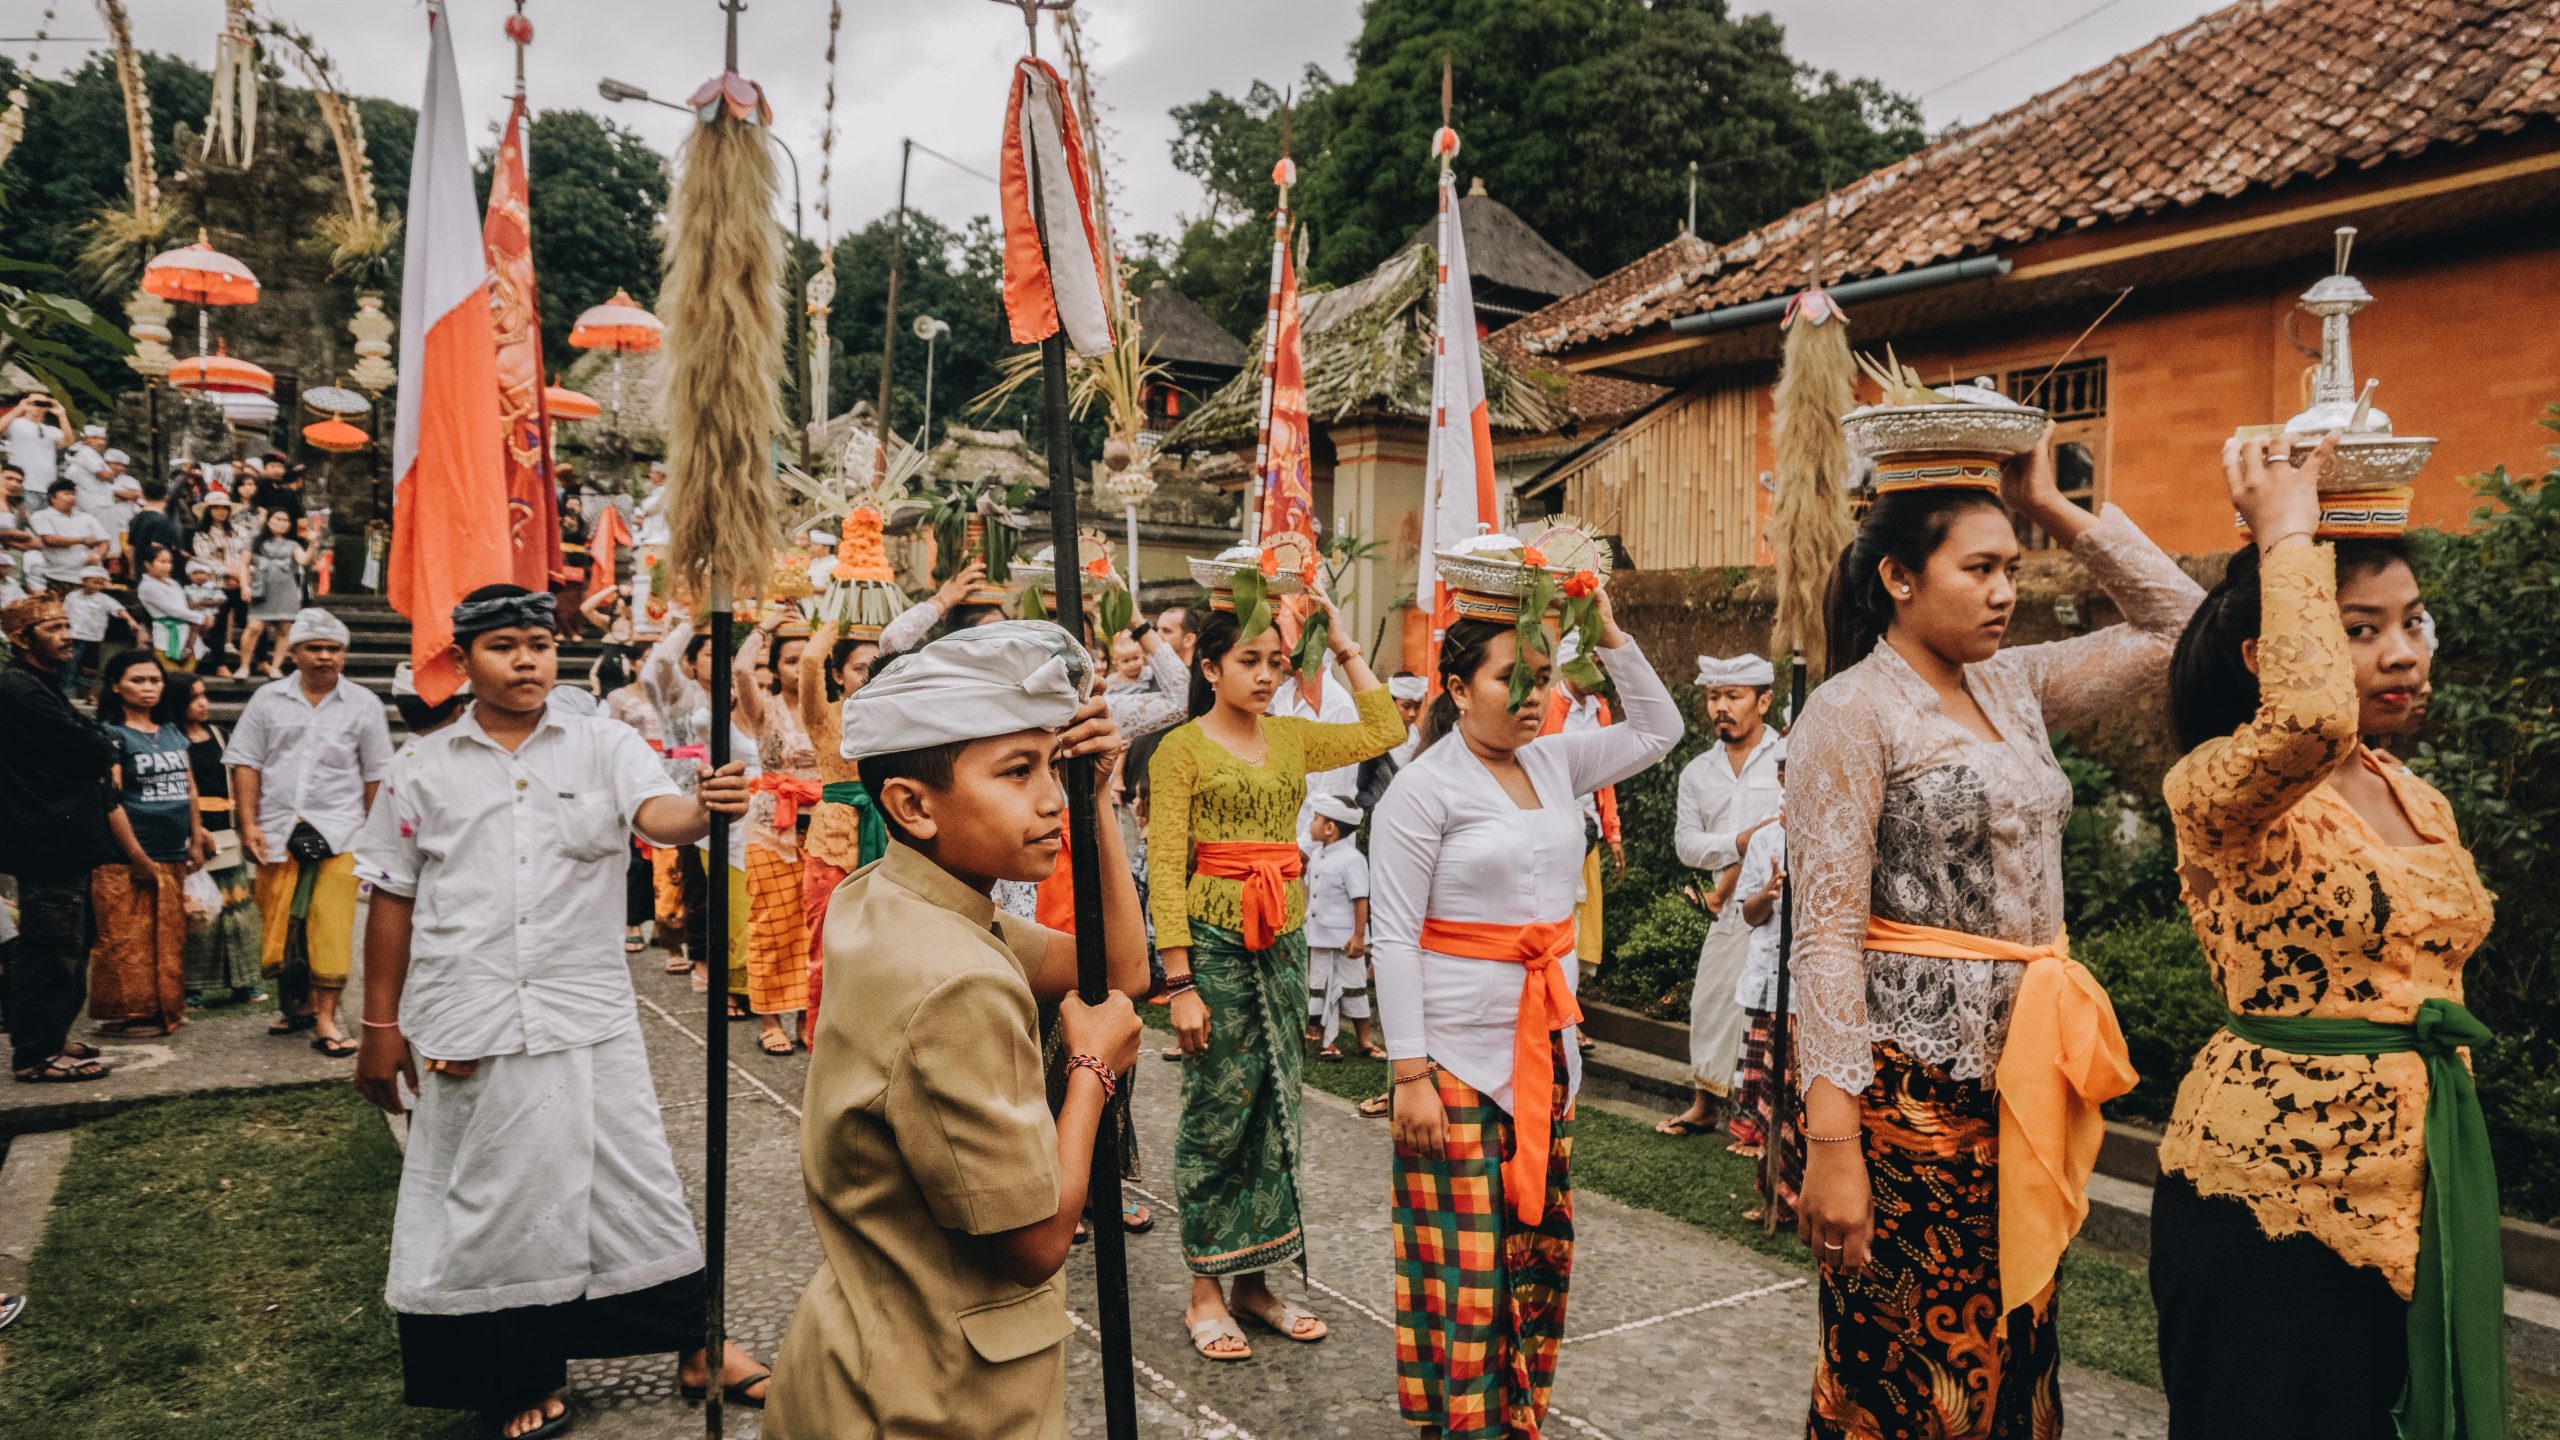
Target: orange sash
point(2064, 1058)
point(1546, 1006)
point(789, 793)
point(1266, 867)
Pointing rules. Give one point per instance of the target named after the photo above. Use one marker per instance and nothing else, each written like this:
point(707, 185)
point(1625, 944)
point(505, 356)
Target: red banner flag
point(605, 543)
point(1288, 487)
point(533, 514)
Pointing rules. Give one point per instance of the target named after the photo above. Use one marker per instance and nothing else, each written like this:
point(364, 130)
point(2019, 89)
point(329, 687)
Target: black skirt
point(2268, 1339)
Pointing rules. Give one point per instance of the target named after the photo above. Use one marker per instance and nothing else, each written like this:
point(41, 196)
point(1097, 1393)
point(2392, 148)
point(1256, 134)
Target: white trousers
point(1716, 1024)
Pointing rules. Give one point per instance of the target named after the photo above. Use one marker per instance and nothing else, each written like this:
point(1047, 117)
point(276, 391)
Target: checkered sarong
point(777, 936)
point(1479, 1296)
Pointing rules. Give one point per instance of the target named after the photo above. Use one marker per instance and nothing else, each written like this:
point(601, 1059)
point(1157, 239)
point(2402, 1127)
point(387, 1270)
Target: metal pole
point(889, 327)
point(925, 436)
point(1131, 512)
point(1102, 1196)
point(715, 1050)
point(1782, 1095)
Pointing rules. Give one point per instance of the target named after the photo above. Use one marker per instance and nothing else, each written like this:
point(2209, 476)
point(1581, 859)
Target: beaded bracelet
point(1853, 1135)
point(1179, 985)
point(1429, 1069)
point(1102, 1072)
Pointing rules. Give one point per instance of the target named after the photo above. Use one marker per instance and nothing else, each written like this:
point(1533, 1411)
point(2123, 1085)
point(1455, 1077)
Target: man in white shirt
point(305, 760)
point(541, 1217)
point(32, 431)
point(1726, 793)
point(70, 541)
point(84, 463)
point(1337, 880)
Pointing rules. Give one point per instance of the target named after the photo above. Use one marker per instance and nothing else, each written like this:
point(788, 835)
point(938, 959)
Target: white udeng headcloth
point(1743, 669)
point(995, 679)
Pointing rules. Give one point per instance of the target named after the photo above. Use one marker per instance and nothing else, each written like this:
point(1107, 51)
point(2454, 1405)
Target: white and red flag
point(449, 488)
point(533, 521)
point(1457, 484)
point(1053, 269)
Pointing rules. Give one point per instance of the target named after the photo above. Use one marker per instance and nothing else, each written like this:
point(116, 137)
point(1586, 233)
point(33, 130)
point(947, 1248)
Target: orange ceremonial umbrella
point(568, 404)
point(335, 436)
point(222, 373)
point(619, 324)
point(200, 275)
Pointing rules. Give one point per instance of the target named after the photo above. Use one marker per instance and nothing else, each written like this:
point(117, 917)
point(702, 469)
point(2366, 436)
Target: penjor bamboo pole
point(1110, 1237)
point(1782, 1024)
point(715, 1050)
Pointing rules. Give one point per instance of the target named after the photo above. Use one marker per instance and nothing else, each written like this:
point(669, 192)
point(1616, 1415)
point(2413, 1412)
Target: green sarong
point(223, 956)
point(2457, 1314)
point(1235, 1155)
point(874, 837)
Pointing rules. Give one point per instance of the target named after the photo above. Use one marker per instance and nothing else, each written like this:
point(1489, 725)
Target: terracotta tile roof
point(1595, 400)
point(2250, 98)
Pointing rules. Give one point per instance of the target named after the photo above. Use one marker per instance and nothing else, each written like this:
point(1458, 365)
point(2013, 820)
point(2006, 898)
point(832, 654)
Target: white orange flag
point(448, 467)
point(1052, 269)
point(1458, 468)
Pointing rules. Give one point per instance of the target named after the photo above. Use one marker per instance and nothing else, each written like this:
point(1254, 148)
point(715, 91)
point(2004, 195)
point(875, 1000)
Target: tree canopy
point(1582, 115)
point(599, 193)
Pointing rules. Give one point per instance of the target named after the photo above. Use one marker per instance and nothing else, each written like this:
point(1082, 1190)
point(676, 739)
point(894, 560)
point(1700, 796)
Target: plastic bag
point(202, 899)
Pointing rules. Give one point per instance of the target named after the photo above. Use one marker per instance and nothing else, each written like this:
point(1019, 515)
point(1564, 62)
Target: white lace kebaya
point(1895, 808)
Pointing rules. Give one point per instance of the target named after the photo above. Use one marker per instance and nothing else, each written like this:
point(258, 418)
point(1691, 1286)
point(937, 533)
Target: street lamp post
point(928, 330)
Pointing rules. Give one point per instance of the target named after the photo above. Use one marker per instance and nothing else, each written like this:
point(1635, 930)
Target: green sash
point(2457, 1315)
point(874, 841)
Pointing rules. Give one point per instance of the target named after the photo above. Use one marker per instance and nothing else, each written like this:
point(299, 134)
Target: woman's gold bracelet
point(1852, 1136)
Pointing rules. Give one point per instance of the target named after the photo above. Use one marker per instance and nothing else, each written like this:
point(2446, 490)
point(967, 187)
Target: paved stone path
point(1674, 1335)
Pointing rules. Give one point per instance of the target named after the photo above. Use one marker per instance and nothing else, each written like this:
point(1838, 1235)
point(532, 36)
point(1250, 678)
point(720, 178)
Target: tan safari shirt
point(927, 1129)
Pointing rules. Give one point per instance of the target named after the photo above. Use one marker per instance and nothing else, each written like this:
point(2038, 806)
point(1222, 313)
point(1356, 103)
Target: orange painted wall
point(2467, 349)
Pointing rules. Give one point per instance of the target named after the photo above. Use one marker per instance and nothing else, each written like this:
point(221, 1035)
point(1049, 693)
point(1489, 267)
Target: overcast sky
point(935, 69)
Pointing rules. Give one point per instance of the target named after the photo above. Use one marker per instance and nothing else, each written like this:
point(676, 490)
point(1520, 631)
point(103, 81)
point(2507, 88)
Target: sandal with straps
point(1283, 1317)
point(62, 1070)
point(1210, 1329)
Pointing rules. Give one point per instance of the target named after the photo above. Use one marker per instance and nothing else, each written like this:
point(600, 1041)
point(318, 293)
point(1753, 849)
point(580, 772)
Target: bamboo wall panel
point(1677, 487)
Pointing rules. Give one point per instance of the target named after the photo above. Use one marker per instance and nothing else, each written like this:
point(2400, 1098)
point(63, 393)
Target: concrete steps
point(378, 643)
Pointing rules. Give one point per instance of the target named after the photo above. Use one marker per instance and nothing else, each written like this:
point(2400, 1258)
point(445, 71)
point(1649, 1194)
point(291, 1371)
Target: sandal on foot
point(293, 1025)
point(1377, 1107)
point(1373, 1052)
point(775, 1044)
point(11, 1307)
point(336, 1047)
point(495, 1426)
point(1209, 1330)
point(680, 966)
point(79, 1050)
point(62, 1070)
point(733, 1393)
point(1677, 1126)
point(633, 944)
point(1329, 1053)
point(1284, 1319)
point(1747, 1149)
point(1135, 1218)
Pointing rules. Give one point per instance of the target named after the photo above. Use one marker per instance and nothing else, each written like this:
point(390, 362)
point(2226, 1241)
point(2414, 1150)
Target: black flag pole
point(1093, 981)
point(1782, 1020)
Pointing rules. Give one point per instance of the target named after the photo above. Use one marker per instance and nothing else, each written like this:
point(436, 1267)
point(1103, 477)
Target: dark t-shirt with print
point(155, 789)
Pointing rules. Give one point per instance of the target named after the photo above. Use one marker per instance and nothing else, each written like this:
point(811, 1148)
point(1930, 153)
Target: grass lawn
point(214, 1268)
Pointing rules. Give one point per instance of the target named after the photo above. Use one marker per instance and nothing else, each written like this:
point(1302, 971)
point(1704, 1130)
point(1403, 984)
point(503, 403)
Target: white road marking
point(1779, 1287)
point(743, 1072)
point(1221, 1428)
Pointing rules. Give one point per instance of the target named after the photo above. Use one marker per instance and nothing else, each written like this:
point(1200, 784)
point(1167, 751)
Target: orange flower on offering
point(1308, 575)
point(1534, 557)
point(1099, 567)
point(1270, 563)
point(1581, 585)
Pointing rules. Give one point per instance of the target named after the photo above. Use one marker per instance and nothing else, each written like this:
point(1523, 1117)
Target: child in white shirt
point(174, 617)
point(1337, 879)
point(91, 611)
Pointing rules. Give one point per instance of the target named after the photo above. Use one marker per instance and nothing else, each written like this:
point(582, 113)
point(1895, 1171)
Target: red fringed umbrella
point(335, 436)
point(202, 276)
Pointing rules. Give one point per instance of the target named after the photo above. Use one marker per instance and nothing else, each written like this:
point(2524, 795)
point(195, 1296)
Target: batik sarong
point(1235, 1154)
point(223, 956)
point(1480, 1297)
point(1915, 1347)
point(818, 882)
point(137, 972)
point(777, 934)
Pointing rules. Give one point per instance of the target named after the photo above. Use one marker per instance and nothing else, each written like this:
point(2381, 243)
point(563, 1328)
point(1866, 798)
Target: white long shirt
point(1717, 805)
point(313, 760)
point(1337, 875)
point(36, 449)
point(1448, 843)
point(1767, 855)
point(516, 863)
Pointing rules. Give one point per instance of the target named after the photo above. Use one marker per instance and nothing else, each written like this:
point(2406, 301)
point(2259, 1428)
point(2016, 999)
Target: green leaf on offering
point(1033, 607)
point(1312, 642)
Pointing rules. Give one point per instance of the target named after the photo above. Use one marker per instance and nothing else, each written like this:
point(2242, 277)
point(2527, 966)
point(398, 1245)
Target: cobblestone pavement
point(1674, 1335)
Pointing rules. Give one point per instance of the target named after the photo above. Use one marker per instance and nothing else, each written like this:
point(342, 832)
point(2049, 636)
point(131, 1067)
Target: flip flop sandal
point(11, 1307)
point(293, 1025)
point(679, 966)
point(1377, 1107)
point(57, 1072)
point(701, 983)
point(1329, 1053)
point(733, 1393)
point(79, 1051)
point(336, 1047)
point(1134, 1222)
point(1685, 1127)
point(769, 1042)
point(633, 944)
point(1210, 1330)
point(496, 1426)
point(1745, 1149)
point(1283, 1317)
point(1373, 1052)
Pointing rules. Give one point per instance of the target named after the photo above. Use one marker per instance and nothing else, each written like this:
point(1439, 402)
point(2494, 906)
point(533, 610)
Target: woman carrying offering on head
point(1228, 909)
point(1476, 859)
point(2325, 1233)
point(1948, 1145)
